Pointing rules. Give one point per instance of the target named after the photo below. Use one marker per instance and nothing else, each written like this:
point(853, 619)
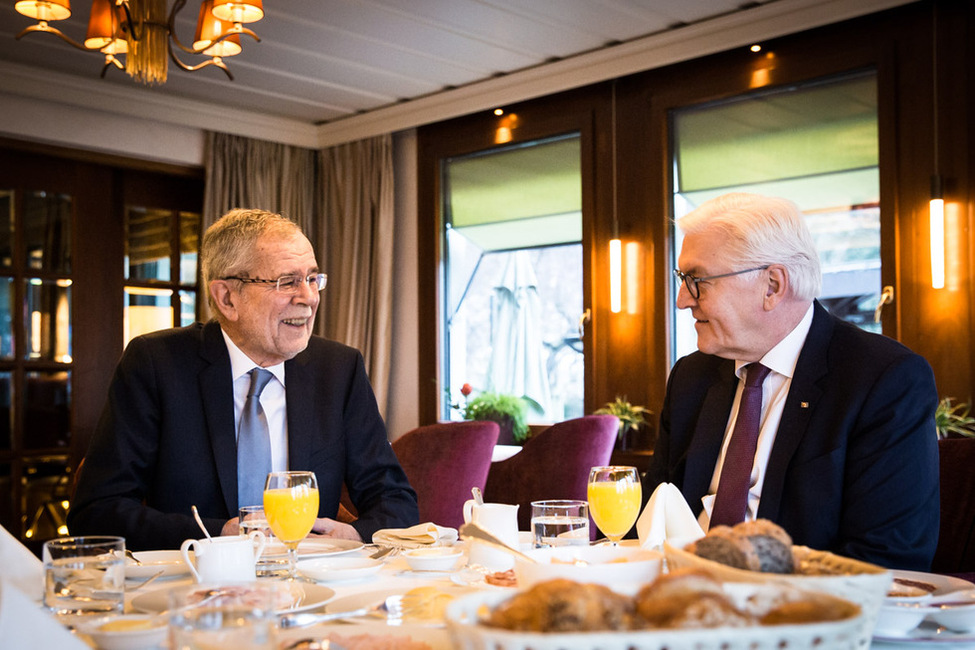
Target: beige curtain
point(356, 243)
point(246, 173)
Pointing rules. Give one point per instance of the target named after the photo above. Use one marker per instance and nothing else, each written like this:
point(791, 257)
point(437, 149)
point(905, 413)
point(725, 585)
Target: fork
point(389, 608)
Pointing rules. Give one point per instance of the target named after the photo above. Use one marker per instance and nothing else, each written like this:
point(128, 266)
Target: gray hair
point(228, 245)
point(762, 230)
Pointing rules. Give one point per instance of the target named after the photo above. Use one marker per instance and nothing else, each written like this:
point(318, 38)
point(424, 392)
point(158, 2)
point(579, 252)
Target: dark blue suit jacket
point(166, 441)
point(854, 466)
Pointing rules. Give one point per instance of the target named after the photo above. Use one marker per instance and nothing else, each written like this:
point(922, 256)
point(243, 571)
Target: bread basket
point(859, 582)
point(468, 633)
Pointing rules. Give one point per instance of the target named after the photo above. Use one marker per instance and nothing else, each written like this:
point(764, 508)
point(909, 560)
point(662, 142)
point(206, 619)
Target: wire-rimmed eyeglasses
point(288, 283)
point(691, 282)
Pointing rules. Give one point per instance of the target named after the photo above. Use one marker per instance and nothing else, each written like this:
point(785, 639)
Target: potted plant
point(631, 418)
point(509, 411)
point(953, 420)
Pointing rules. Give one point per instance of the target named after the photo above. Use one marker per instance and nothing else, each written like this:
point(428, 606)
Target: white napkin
point(667, 517)
point(25, 626)
point(427, 534)
point(19, 567)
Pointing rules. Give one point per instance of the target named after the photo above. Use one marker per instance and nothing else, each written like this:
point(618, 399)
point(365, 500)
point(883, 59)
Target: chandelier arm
point(44, 27)
point(131, 23)
point(217, 61)
point(110, 60)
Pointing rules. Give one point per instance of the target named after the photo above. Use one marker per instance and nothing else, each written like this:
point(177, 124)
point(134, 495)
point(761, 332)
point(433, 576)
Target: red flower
point(465, 390)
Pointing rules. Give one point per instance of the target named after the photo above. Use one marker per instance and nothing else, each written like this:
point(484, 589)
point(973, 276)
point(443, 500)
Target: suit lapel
point(804, 394)
point(301, 433)
point(217, 394)
point(708, 435)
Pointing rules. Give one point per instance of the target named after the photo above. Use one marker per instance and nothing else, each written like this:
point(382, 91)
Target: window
point(815, 144)
point(513, 276)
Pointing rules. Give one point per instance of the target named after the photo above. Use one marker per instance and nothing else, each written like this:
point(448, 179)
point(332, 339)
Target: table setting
point(429, 587)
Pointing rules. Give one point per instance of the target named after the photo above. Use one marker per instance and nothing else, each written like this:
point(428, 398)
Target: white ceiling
point(340, 68)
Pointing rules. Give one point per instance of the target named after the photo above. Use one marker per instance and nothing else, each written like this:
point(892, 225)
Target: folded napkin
point(19, 567)
point(25, 626)
point(667, 517)
point(428, 534)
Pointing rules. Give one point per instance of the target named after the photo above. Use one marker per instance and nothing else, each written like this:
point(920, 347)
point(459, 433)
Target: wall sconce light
point(936, 212)
point(615, 275)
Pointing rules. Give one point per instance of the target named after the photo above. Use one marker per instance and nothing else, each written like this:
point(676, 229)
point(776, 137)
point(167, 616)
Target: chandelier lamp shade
point(143, 34)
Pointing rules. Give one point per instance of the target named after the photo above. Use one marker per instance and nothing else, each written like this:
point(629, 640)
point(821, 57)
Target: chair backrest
point(553, 464)
point(956, 541)
point(443, 462)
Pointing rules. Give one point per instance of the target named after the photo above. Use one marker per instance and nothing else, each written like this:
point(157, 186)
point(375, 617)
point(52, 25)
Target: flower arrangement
point(954, 419)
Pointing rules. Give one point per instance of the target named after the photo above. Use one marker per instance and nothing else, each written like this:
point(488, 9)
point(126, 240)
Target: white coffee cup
point(224, 559)
point(499, 519)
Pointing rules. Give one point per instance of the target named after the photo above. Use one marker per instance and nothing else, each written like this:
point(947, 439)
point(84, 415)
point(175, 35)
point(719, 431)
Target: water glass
point(252, 518)
point(238, 616)
point(560, 522)
point(84, 576)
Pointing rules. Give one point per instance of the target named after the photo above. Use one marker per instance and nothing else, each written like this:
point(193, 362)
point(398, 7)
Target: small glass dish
point(435, 558)
point(126, 632)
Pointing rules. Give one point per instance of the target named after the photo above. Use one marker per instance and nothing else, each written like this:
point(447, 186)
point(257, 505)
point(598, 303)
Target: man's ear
point(777, 286)
point(225, 299)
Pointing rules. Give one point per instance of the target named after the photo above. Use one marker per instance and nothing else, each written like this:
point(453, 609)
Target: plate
point(169, 562)
point(335, 569)
point(133, 632)
point(928, 632)
point(310, 548)
point(942, 584)
point(311, 596)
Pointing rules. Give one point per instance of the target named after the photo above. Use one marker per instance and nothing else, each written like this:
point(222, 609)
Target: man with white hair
point(843, 452)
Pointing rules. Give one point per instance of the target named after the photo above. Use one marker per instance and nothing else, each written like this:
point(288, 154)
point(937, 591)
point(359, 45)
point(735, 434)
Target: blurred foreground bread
point(682, 599)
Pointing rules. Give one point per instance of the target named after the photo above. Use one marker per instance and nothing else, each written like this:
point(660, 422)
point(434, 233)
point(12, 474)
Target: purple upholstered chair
point(443, 462)
point(956, 543)
point(553, 464)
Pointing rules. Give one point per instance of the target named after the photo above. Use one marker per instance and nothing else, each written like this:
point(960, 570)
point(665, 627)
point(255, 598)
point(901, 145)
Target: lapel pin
point(804, 405)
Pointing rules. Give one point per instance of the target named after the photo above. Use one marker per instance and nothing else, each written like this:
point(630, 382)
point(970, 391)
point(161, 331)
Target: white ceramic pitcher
point(224, 559)
point(501, 520)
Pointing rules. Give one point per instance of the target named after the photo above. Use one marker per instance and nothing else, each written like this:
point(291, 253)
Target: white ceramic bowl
point(126, 632)
point(622, 568)
point(955, 611)
point(152, 562)
point(334, 569)
point(902, 612)
point(435, 558)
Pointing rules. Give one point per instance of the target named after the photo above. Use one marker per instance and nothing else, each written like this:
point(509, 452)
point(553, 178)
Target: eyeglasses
point(692, 283)
point(288, 283)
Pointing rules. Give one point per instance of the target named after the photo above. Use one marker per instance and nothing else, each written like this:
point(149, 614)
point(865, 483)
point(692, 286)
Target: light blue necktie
point(253, 444)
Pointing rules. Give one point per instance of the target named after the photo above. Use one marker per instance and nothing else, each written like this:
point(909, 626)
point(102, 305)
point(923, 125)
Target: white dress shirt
point(272, 401)
point(781, 360)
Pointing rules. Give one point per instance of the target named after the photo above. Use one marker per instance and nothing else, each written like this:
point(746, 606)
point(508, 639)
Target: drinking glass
point(238, 616)
point(291, 506)
point(615, 496)
point(560, 522)
point(84, 576)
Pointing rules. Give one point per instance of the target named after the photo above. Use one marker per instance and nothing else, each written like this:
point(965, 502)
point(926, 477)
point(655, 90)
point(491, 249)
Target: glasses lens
point(320, 280)
point(288, 284)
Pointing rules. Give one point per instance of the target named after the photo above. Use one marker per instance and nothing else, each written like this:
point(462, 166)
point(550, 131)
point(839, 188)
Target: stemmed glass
point(615, 496)
point(291, 506)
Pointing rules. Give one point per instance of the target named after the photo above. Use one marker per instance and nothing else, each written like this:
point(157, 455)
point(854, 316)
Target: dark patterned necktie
point(731, 501)
point(253, 444)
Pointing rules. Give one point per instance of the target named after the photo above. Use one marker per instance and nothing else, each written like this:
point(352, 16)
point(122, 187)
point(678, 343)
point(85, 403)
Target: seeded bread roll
point(758, 545)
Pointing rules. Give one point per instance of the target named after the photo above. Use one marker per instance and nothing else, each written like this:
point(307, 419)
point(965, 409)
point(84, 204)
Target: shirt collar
point(783, 357)
point(241, 364)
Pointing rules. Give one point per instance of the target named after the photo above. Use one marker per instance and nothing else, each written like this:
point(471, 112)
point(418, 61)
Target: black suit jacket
point(166, 441)
point(854, 465)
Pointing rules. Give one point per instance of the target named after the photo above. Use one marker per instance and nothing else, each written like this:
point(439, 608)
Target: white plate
point(131, 639)
point(435, 637)
point(928, 632)
point(310, 548)
point(334, 569)
point(942, 584)
point(169, 562)
point(311, 596)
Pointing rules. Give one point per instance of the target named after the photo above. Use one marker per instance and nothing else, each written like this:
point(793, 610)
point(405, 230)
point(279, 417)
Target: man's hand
point(232, 527)
point(326, 527)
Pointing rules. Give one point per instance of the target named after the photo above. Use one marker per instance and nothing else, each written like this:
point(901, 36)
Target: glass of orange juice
point(291, 506)
point(615, 497)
